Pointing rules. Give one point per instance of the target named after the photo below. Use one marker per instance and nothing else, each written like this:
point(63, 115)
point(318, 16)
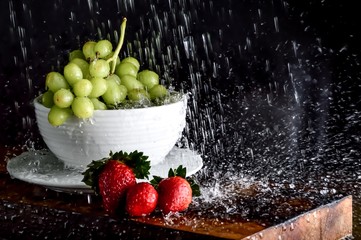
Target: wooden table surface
point(29, 211)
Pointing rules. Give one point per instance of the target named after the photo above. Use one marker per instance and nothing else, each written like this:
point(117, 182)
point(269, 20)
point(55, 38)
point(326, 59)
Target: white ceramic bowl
point(152, 130)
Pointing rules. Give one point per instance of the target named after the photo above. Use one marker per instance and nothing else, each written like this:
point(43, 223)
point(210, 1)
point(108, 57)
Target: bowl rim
point(184, 96)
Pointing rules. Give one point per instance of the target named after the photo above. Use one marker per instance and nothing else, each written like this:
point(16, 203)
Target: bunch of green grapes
point(95, 78)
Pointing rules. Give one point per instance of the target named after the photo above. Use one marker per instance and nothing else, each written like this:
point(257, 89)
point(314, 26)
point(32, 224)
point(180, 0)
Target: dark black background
point(50, 31)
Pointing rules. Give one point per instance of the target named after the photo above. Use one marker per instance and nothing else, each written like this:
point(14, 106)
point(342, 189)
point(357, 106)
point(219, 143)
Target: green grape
point(72, 73)
point(88, 50)
point(124, 91)
point(99, 87)
point(114, 77)
point(138, 95)
point(98, 105)
point(115, 93)
point(82, 88)
point(126, 68)
point(148, 78)
point(84, 66)
point(63, 98)
point(158, 91)
point(99, 68)
point(57, 116)
point(103, 48)
point(131, 82)
point(55, 81)
point(132, 60)
point(82, 107)
point(76, 54)
point(47, 99)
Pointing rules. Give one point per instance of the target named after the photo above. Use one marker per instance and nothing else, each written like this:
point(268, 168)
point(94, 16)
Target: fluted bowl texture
point(151, 130)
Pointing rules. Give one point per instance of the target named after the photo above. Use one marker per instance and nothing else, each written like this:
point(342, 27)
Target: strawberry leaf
point(155, 181)
point(180, 172)
point(135, 160)
point(196, 192)
point(91, 175)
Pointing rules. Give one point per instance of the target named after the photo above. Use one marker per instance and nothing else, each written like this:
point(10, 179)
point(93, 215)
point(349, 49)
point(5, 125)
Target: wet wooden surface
point(34, 212)
point(330, 221)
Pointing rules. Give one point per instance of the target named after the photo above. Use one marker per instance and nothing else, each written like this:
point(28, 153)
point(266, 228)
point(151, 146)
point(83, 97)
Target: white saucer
point(43, 168)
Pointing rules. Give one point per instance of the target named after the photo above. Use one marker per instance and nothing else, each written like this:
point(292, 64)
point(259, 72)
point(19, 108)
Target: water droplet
point(292, 226)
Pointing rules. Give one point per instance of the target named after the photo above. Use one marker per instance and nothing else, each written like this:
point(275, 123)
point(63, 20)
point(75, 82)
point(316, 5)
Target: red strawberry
point(113, 181)
point(175, 192)
point(141, 199)
point(175, 195)
point(111, 177)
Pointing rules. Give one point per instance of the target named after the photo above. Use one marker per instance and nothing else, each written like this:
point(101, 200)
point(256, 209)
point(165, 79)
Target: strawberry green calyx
point(196, 192)
point(135, 160)
point(155, 181)
point(179, 172)
point(91, 175)
point(138, 162)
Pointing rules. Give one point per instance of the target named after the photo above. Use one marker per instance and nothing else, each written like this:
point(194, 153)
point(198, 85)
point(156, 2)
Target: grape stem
point(119, 46)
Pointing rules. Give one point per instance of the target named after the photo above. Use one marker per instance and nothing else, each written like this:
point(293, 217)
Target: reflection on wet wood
point(332, 221)
point(223, 228)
